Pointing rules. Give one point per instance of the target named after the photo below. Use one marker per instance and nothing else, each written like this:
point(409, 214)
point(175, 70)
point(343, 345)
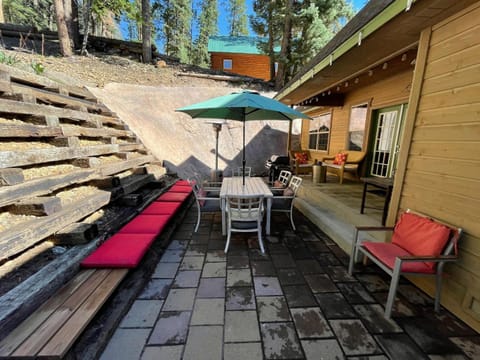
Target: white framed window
point(356, 127)
point(227, 64)
point(319, 132)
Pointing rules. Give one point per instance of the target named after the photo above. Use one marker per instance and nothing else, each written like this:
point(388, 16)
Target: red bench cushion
point(120, 251)
point(387, 252)
point(146, 224)
point(173, 196)
point(162, 208)
point(420, 236)
point(183, 182)
point(181, 189)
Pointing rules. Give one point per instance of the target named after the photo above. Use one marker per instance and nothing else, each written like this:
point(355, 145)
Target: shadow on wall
point(265, 143)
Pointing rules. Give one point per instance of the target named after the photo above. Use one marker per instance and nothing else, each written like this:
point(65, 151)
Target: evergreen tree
point(207, 27)
point(176, 18)
point(237, 18)
point(38, 13)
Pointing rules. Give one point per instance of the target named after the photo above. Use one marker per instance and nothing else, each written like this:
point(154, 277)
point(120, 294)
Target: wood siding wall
point(257, 66)
point(442, 168)
point(392, 91)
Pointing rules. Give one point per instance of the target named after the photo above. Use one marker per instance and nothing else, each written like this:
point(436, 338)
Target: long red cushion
point(120, 251)
point(181, 189)
point(146, 224)
point(162, 208)
point(420, 236)
point(183, 182)
point(387, 252)
point(173, 196)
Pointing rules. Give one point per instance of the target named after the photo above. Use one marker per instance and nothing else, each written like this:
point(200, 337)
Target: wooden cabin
point(401, 81)
point(240, 55)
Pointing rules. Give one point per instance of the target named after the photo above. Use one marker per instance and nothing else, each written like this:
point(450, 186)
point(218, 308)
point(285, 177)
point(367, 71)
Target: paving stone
point(334, 306)
point(211, 288)
point(373, 282)
point(448, 357)
point(204, 343)
point(178, 244)
point(291, 276)
point(299, 296)
point(171, 328)
point(327, 349)
point(241, 326)
point(400, 346)
point(172, 256)
point(165, 270)
point(277, 248)
point(216, 256)
point(243, 351)
point(257, 255)
point(179, 300)
point(470, 345)
point(320, 283)
point(214, 269)
point(265, 286)
point(448, 324)
point(240, 298)
point(280, 341)
point(192, 263)
point(414, 295)
point(327, 259)
point(354, 338)
point(401, 307)
point(373, 316)
point(309, 267)
point(263, 268)
point(208, 312)
point(355, 293)
point(339, 273)
point(239, 277)
point(301, 253)
point(237, 262)
point(216, 245)
point(283, 261)
point(273, 308)
point(310, 323)
point(143, 313)
point(126, 344)
point(318, 246)
point(156, 289)
point(196, 250)
point(162, 352)
point(186, 279)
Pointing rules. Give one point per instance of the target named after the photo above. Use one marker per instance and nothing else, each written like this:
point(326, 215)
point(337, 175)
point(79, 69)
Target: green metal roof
point(235, 44)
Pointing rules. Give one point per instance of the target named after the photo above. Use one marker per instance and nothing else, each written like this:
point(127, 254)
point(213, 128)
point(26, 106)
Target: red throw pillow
point(340, 159)
point(420, 236)
point(301, 157)
point(278, 184)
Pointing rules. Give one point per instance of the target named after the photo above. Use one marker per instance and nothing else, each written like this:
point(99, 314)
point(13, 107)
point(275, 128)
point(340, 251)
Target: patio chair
point(239, 171)
point(207, 200)
point(282, 181)
point(420, 246)
point(244, 214)
point(284, 202)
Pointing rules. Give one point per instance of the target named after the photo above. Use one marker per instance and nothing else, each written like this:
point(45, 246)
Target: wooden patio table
point(233, 186)
point(383, 183)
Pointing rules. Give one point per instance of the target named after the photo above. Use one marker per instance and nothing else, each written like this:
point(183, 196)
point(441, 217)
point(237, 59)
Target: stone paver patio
point(295, 302)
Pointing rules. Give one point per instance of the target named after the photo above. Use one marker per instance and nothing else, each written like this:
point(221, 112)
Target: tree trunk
point(86, 25)
point(146, 32)
point(287, 30)
point(271, 45)
point(63, 37)
point(2, 18)
point(71, 18)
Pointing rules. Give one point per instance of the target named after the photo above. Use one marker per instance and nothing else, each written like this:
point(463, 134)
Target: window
point(356, 129)
point(319, 133)
point(227, 64)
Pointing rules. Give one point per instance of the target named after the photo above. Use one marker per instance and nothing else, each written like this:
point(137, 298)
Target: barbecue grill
point(275, 164)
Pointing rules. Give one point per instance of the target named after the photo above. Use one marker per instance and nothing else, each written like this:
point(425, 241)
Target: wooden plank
point(87, 162)
point(464, 133)
point(40, 156)
point(457, 61)
point(449, 115)
point(42, 186)
point(23, 331)
point(455, 43)
point(72, 130)
point(76, 234)
point(454, 79)
point(37, 206)
point(446, 150)
point(12, 176)
point(26, 234)
point(25, 77)
point(5, 85)
point(114, 168)
point(456, 167)
point(38, 338)
point(65, 337)
point(132, 200)
point(131, 147)
point(28, 130)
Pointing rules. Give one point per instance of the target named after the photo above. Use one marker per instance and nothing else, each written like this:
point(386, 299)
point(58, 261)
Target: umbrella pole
point(243, 160)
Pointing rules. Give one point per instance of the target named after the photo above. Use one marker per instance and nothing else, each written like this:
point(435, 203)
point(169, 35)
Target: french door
point(386, 141)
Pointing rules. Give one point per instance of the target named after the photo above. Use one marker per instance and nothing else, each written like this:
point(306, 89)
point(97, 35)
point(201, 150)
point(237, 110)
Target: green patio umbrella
point(243, 106)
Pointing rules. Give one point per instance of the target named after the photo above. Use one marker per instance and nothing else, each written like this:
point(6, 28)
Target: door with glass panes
point(386, 140)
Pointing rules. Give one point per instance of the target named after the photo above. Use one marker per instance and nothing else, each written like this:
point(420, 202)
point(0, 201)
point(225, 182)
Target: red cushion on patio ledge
point(181, 189)
point(146, 224)
point(162, 208)
point(183, 183)
point(173, 196)
point(120, 251)
point(387, 252)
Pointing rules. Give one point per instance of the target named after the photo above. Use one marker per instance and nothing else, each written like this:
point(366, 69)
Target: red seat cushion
point(340, 159)
point(146, 224)
point(181, 189)
point(120, 251)
point(387, 252)
point(420, 236)
point(162, 208)
point(173, 196)
point(183, 182)
point(301, 157)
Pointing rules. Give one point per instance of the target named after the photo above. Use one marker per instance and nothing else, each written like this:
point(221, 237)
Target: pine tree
point(237, 18)
point(208, 27)
point(38, 13)
point(176, 18)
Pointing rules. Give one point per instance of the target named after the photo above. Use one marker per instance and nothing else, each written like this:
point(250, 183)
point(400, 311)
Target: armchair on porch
point(302, 162)
point(344, 161)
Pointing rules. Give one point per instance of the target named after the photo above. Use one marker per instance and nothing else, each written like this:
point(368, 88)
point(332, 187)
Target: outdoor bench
point(54, 327)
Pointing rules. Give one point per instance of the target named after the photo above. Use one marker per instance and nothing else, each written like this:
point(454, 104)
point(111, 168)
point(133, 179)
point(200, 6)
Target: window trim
point(231, 64)
point(329, 132)
point(361, 104)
